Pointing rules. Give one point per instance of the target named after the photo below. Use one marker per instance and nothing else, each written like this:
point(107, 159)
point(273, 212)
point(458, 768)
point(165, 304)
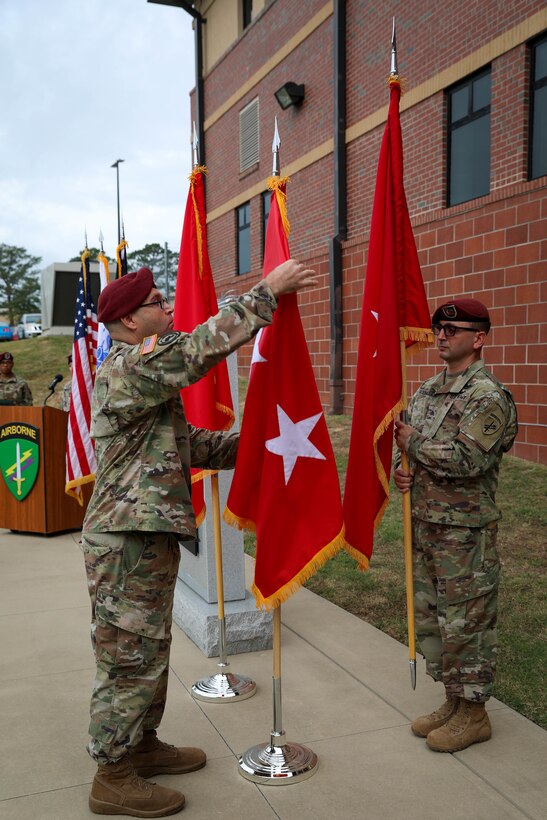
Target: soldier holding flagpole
point(139, 511)
point(461, 422)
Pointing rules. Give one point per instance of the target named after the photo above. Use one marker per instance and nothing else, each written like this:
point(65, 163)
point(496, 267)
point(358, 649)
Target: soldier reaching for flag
point(140, 509)
point(461, 423)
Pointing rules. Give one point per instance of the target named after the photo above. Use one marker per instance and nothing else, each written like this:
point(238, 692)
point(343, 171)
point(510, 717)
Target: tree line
point(20, 283)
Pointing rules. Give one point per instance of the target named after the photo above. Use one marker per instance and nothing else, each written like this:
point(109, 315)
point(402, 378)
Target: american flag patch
point(148, 344)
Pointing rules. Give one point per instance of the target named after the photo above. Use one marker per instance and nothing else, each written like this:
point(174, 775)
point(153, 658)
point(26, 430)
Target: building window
point(266, 201)
point(538, 109)
point(248, 136)
point(469, 139)
point(243, 225)
point(247, 16)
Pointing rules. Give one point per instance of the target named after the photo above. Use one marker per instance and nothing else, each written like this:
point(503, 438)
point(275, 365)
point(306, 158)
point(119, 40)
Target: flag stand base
point(277, 763)
point(224, 687)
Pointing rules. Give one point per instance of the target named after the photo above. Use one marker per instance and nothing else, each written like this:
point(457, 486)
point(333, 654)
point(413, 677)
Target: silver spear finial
point(195, 147)
point(101, 239)
point(394, 72)
point(275, 151)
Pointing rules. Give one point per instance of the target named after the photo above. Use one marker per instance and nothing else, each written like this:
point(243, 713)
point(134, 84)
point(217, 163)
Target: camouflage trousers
point(456, 576)
point(131, 580)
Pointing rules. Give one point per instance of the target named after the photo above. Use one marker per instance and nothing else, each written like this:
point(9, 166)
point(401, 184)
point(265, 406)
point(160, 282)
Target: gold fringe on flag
point(423, 336)
point(390, 417)
point(73, 487)
point(292, 586)
point(285, 592)
point(274, 184)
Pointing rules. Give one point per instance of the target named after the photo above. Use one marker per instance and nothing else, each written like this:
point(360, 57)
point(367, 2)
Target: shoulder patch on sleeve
point(487, 427)
point(169, 338)
point(148, 344)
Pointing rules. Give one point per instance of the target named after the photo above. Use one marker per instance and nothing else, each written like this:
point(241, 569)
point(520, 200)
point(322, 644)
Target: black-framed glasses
point(451, 330)
point(160, 302)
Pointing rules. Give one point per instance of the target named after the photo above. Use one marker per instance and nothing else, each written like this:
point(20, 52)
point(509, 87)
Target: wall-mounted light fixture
point(290, 94)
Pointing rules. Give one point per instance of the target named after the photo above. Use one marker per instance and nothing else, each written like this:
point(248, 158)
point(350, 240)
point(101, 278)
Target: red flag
point(285, 485)
point(394, 309)
point(208, 402)
point(80, 450)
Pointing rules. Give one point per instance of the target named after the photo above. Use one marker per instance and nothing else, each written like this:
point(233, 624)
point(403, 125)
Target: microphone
point(58, 378)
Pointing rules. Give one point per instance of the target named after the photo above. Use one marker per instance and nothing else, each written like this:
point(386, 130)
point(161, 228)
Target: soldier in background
point(461, 423)
point(13, 389)
point(67, 387)
point(139, 511)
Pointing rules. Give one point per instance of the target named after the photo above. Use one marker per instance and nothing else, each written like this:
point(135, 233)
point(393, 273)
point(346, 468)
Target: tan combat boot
point(425, 724)
point(151, 756)
point(117, 789)
point(470, 724)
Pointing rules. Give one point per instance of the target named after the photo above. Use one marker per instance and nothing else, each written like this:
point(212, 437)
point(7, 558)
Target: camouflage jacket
point(143, 443)
point(14, 390)
point(463, 429)
point(65, 396)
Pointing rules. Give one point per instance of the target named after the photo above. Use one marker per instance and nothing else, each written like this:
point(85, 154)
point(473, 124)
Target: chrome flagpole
point(277, 763)
point(224, 686)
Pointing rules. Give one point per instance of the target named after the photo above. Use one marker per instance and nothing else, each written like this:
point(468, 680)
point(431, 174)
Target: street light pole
point(116, 165)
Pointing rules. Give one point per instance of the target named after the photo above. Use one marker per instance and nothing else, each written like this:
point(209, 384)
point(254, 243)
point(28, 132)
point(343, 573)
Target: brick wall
point(493, 248)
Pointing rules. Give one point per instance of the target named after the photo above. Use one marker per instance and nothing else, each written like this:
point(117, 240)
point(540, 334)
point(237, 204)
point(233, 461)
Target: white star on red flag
point(293, 441)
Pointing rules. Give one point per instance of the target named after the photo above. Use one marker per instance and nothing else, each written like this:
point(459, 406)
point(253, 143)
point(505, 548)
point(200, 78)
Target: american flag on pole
point(80, 450)
point(104, 342)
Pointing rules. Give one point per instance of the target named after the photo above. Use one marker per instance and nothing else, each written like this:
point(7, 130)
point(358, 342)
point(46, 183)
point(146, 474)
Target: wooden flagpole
point(407, 523)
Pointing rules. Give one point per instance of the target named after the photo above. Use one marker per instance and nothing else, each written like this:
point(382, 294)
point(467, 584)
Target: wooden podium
point(46, 508)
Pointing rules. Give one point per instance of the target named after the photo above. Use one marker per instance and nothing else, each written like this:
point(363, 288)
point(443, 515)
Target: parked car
point(29, 326)
point(6, 333)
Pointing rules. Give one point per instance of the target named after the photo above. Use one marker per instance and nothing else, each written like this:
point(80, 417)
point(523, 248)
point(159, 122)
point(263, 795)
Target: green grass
point(379, 597)
point(38, 361)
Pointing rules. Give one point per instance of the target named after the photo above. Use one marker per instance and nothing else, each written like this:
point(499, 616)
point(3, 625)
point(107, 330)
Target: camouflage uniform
point(141, 507)
point(14, 390)
point(464, 425)
point(65, 396)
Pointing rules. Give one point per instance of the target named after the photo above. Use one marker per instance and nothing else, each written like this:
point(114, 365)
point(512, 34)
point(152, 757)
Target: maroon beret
point(462, 310)
point(124, 295)
point(6, 357)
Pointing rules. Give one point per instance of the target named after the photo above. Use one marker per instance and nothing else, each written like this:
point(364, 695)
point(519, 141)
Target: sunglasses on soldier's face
point(451, 330)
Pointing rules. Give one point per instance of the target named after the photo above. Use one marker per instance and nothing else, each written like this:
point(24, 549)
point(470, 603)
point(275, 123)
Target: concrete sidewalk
point(346, 694)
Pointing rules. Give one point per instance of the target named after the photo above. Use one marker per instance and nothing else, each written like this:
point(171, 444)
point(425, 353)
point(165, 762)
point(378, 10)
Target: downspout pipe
point(336, 383)
point(199, 21)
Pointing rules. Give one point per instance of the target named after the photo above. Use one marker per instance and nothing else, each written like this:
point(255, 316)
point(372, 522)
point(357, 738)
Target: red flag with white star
point(394, 310)
point(285, 485)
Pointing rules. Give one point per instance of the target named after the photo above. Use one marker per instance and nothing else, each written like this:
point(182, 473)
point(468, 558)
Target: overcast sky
point(83, 83)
